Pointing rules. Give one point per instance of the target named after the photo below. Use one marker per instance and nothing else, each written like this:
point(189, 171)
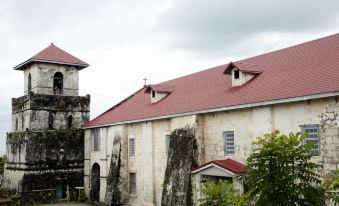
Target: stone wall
point(32, 111)
point(42, 78)
point(42, 159)
point(150, 160)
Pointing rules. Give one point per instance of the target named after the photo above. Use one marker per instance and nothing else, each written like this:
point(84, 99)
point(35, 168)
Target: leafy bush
point(332, 187)
point(220, 194)
point(281, 172)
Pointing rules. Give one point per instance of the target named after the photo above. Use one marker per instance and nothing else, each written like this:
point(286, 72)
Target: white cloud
point(125, 41)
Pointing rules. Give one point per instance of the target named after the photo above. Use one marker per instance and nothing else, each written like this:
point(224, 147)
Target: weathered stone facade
point(150, 160)
point(45, 149)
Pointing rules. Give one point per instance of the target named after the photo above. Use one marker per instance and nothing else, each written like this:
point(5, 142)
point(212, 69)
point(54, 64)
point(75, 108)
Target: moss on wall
point(182, 158)
point(113, 189)
point(50, 149)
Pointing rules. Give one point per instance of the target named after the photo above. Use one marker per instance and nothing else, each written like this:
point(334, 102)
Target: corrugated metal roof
point(302, 70)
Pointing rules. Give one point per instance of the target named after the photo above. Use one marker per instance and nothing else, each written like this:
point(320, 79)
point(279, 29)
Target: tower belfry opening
point(58, 82)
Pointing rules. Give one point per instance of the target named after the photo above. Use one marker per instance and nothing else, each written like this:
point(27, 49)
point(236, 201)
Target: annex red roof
point(53, 54)
point(228, 164)
point(306, 69)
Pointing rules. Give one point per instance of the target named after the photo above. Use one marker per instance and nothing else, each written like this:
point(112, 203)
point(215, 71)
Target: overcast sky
point(125, 41)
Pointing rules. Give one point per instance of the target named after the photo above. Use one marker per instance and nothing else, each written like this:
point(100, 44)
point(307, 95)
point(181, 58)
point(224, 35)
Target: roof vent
point(241, 72)
point(159, 91)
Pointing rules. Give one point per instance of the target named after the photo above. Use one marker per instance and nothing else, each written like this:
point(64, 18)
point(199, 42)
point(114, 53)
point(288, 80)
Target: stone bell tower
point(45, 149)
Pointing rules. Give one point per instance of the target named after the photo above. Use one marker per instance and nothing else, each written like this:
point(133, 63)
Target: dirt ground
point(66, 204)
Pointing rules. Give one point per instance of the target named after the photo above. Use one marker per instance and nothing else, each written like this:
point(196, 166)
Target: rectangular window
point(131, 147)
point(95, 140)
point(313, 136)
point(167, 141)
point(229, 142)
point(132, 183)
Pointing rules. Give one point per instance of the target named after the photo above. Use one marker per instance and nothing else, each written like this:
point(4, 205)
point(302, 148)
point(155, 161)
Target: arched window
point(95, 182)
point(50, 121)
point(58, 83)
point(69, 121)
point(29, 82)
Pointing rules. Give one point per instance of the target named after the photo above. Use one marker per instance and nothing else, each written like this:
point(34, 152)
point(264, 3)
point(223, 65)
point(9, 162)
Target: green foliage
point(220, 194)
point(2, 165)
point(332, 187)
point(281, 172)
point(61, 104)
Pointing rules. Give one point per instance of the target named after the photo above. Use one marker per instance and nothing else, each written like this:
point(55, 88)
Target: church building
point(45, 149)
point(158, 145)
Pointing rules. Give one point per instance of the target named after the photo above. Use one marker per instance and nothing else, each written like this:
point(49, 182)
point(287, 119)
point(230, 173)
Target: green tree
point(332, 187)
point(2, 165)
point(281, 172)
point(220, 194)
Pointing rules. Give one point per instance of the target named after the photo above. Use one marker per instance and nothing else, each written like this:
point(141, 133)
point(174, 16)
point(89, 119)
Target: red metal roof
point(302, 70)
point(54, 54)
point(160, 88)
point(228, 164)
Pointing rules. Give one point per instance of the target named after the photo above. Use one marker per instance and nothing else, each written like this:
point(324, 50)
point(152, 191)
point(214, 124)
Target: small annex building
point(143, 150)
point(215, 170)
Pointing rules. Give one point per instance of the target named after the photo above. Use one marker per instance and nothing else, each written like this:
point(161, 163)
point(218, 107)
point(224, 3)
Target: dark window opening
point(95, 140)
point(236, 74)
point(69, 121)
point(95, 182)
point(153, 94)
point(16, 124)
point(22, 122)
point(132, 183)
point(50, 121)
point(58, 82)
point(29, 82)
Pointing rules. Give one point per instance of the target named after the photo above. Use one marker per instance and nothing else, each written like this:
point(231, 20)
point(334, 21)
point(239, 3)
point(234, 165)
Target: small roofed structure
point(216, 170)
point(159, 91)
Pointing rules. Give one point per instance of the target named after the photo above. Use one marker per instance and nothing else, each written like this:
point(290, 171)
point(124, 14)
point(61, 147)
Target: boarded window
point(132, 183)
point(131, 144)
point(313, 136)
point(229, 142)
point(95, 140)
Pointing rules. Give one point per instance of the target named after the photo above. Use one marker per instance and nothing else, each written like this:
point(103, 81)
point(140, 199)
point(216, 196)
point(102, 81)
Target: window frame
point(95, 134)
point(229, 151)
point(304, 128)
point(131, 147)
point(132, 191)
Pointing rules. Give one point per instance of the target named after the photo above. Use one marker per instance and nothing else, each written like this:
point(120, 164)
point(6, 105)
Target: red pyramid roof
point(53, 54)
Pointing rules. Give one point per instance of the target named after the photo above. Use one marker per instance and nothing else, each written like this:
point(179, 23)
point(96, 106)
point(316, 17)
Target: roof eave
point(20, 66)
point(226, 108)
